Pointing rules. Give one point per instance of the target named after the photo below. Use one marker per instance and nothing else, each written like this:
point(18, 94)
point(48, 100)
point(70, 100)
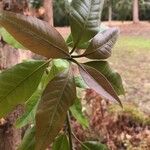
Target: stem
point(73, 50)
point(69, 131)
point(78, 56)
point(75, 45)
point(80, 141)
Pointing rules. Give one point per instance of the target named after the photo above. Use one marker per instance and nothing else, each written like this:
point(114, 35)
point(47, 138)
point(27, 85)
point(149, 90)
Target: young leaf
point(93, 145)
point(58, 96)
point(76, 110)
point(35, 35)
point(58, 66)
point(18, 83)
point(10, 39)
point(28, 142)
point(102, 44)
point(84, 19)
point(96, 81)
point(61, 143)
point(113, 77)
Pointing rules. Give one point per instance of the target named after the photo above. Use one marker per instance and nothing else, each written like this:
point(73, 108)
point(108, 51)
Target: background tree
point(135, 11)
point(48, 16)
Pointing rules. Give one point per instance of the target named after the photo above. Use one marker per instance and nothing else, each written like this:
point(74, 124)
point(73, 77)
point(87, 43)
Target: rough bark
point(48, 5)
point(10, 137)
point(135, 11)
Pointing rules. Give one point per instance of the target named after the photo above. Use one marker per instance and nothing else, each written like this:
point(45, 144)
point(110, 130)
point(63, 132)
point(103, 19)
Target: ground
point(131, 58)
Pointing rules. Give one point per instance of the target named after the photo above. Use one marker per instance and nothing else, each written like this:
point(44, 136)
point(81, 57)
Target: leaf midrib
point(82, 67)
point(20, 83)
point(34, 34)
point(84, 25)
point(99, 48)
point(57, 104)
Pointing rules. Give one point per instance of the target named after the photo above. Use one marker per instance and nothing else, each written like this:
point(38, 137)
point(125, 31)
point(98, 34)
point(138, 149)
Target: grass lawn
point(131, 58)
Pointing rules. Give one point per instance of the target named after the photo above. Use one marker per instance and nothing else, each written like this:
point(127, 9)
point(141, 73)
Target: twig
point(69, 131)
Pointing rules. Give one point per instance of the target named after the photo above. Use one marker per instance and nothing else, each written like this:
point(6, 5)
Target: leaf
point(35, 35)
point(70, 43)
point(102, 44)
point(58, 96)
point(61, 143)
point(113, 77)
point(84, 19)
point(28, 142)
point(76, 110)
point(96, 81)
point(18, 83)
point(93, 145)
point(31, 107)
point(10, 39)
point(58, 66)
point(80, 82)
point(85, 45)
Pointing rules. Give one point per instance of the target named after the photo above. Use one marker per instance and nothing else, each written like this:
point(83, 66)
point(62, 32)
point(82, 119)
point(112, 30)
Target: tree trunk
point(135, 11)
point(110, 13)
point(9, 136)
point(48, 5)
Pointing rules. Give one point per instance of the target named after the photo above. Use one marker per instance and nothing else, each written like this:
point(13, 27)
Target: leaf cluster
point(48, 87)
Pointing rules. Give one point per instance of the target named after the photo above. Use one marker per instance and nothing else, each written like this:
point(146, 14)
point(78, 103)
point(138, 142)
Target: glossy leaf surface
point(8, 38)
point(58, 96)
point(96, 81)
point(113, 77)
point(18, 83)
point(102, 44)
point(85, 18)
point(35, 35)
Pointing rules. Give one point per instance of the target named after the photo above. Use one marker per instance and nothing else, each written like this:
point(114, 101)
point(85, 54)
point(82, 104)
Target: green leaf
point(10, 39)
point(35, 35)
point(58, 66)
point(80, 82)
point(28, 142)
point(93, 145)
point(96, 81)
point(85, 45)
point(70, 43)
point(18, 83)
point(113, 77)
point(61, 143)
point(31, 107)
point(85, 16)
point(76, 110)
point(102, 44)
point(58, 96)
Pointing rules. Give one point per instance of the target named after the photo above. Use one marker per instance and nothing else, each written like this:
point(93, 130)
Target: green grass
point(133, 43)
point(131, 58)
